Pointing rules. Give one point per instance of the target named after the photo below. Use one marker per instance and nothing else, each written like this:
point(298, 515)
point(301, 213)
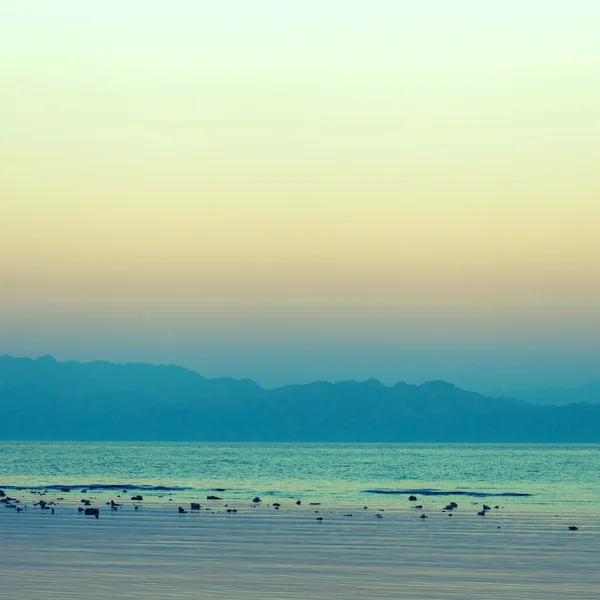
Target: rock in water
point(412, 498)
point(256, 500)
point(573, 528)
point(181, 510)
point(92, 512)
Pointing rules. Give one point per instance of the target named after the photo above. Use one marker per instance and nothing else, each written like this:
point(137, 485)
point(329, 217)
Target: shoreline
point(285, 553)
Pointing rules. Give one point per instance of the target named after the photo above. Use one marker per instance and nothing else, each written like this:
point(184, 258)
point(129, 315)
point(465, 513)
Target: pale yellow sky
point(334, 167)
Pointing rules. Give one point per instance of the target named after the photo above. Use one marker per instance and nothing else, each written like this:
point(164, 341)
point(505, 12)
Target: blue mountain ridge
point(42, 399)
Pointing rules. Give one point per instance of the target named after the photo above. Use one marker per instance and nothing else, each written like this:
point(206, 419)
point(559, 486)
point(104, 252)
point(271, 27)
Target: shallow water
point(548, 476)
point(287, 554)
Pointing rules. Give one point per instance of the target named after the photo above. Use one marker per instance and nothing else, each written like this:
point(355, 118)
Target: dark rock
point(315, 504)
point(256, 500)
point(486, 507)
point(276, 504)
point(2, 494)
point(449, 507)
point(65, 489)
point(453, 504)
point(481, 513)
point(319, 518)
point(213, 498)
point(195, 506)
point(137, 498)
point(418, 506)
point(379, 516)
point(423, 516)
point(113, 504)
point(412, 498)
point(181, 510)
point(80, 509)
point(219, 489)
point(298, 502)
point(573, 528)
point(87, 503)
point(92, 512)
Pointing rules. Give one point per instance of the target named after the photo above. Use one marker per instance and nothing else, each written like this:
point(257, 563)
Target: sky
point(292, 191)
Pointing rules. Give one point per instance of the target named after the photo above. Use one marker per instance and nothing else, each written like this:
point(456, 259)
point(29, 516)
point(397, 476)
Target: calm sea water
point(550, 475)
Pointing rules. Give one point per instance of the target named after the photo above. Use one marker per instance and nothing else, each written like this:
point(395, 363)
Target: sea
point(528, 477)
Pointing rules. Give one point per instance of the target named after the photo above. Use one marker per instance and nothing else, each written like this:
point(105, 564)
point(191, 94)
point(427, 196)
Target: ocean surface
point(527, 476)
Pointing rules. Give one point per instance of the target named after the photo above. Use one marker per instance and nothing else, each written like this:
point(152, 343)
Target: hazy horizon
point(298, 191)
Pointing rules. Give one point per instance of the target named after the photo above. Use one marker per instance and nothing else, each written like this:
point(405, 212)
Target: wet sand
point(265, 553)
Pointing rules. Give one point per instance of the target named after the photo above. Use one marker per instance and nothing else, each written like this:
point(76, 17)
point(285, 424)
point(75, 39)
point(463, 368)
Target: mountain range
point(42, 399)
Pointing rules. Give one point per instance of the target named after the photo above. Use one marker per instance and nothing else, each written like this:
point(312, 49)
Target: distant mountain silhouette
point(46, 400)
point(558, 396)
